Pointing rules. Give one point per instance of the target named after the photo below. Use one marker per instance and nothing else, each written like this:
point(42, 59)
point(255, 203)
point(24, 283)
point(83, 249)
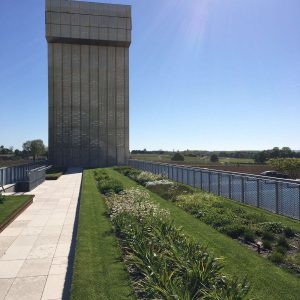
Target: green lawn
point(267, 280)
point(99, 272)
point(10, 204)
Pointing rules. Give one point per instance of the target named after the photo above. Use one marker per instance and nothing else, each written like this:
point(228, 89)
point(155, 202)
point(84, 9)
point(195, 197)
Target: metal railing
point(10, 175)
point(280, 196)
point(33, 178)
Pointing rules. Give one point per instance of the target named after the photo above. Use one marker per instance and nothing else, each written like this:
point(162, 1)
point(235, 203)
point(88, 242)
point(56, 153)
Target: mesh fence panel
point(289, 200)
point(180, 176)
point(251, 191)
point(268, 195)
point(214, 183)
point(237, 188)
point(225, 191)
point(205, 181)
point(198, 179)
point(185, 175)
point(191, 177)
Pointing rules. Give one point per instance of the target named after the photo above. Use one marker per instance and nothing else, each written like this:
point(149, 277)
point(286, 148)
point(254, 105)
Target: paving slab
point(36, 248)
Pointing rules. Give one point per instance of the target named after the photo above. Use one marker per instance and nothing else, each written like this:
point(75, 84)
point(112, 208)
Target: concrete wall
point(88, 46)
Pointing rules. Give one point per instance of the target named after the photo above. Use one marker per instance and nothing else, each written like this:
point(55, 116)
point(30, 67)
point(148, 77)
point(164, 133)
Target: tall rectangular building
point(88, 72)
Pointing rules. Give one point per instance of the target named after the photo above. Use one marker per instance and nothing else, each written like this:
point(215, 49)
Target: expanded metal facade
point(279, 196)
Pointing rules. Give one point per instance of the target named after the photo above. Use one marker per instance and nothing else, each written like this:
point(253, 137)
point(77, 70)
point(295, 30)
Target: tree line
point(34, 148)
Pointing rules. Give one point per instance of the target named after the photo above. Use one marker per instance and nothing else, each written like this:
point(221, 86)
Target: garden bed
point(54, 174)
point(11, 207)
point(267, 280)
point(272, 236)
point(162, 261)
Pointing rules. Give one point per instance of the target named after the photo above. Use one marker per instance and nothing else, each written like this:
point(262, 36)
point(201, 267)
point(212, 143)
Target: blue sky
point(204, 74)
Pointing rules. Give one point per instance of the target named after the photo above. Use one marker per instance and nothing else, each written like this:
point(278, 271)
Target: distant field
point(240, 165)
point(10, 163)
point(193, 160)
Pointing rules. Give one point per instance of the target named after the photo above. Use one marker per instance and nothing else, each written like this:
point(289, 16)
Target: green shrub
point(281, 249)
point(1, 199)
point(214, 158)
point(267, 244)
point(268, 236)
point(144, 177)
point(218, 220)
point(276, 257)
point(289, 232)
point(249, 236)
point(109, 186)
point(283, 242)
point(233, 230)
point(177, 157)
point(100, 176)
point(172, 191)
point(275, 227)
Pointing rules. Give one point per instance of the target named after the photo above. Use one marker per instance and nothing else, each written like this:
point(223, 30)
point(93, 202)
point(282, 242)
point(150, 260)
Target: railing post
point(230, 186)
point(299, 202)
point(219, 184)
point(194, 178)
point(243, 189)
point(277, 197)
point(258, 193)
point(201, 179)
point(209, 182)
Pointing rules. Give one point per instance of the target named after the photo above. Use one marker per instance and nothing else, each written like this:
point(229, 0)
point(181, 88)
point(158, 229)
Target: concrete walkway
point(36, 250)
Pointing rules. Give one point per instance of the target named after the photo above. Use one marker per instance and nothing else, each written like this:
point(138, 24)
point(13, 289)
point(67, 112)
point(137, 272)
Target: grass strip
point(267, 280)
point(99, 271)
point(53, 174)
point(9, 206)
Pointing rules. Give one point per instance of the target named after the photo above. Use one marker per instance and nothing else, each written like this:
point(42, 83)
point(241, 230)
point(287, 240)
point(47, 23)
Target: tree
point(214, 158)
point(34, 148)
point(286, 152)
point(261, 157)
point(291, 166)
point(177, 157)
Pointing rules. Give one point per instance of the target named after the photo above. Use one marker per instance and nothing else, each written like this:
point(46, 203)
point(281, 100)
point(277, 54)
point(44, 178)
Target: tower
point(88, 82)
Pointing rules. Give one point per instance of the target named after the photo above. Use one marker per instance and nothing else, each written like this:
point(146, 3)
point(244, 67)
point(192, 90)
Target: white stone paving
point(35, 247)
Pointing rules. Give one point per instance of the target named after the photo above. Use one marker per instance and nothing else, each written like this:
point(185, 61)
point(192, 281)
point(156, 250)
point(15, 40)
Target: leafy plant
point(110, 186)
point(266, 235)
point(1, 198)
point(275, 227)
point(145, 177)
point(281, 249)
point(283, 242)
point(289, 232)
point(233, 230)
point(276, 257)
point(267, 244)
point(249, 236)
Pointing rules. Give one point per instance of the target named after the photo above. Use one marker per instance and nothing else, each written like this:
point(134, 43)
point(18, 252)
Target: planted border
point(272, 239)
point(267, 280)
point(162, 261)
point(14, 210)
